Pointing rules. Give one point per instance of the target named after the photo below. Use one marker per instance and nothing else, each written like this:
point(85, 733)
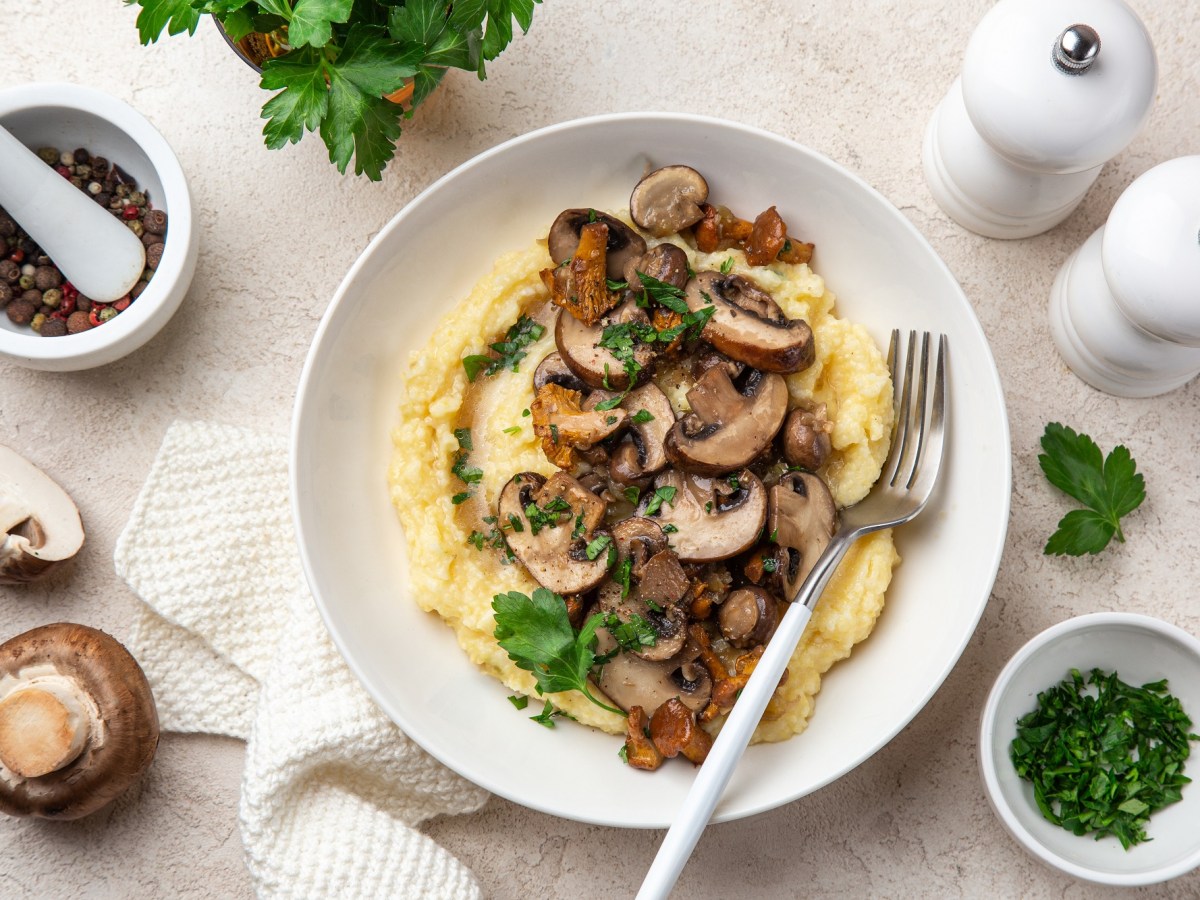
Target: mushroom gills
point(709, 520)
point(39, 524)
point(802, 516)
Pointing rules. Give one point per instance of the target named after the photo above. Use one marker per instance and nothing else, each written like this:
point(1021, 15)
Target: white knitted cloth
point(233, 644)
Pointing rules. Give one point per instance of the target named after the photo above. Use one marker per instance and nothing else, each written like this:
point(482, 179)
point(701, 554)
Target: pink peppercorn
point(63, 171)
point(122, 304)
point(130, 212)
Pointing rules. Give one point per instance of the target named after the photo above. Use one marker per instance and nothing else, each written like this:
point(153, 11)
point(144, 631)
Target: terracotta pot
point(254, 49)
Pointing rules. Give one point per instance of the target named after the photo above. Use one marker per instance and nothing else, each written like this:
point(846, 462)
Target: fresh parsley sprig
point(537, 635)
point(1103, 755)
point(345, 56)
point(1110, 487)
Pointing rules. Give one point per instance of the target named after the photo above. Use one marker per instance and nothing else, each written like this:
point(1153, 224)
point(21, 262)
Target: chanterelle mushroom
point(668, 200)
point(39, 525)
point(802, 517)
point(710, 519)
point(727, 427)
point(748, 325)
point(77, 722)
point(557, 518)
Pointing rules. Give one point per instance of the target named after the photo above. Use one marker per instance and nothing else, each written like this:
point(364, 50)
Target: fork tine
point(926, 474)
point(920, 411)
point(900, 356)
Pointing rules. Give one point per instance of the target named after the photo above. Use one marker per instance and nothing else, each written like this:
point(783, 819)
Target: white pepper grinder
point(1125, 307)
point(1050, 90)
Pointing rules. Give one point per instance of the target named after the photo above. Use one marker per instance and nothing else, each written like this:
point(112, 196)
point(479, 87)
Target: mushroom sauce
point(704, 471)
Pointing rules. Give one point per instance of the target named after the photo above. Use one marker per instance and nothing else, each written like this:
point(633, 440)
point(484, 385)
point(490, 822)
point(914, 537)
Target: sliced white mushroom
point(801, 519)
point(748, 325)
point(707, 519)
point(40, 524)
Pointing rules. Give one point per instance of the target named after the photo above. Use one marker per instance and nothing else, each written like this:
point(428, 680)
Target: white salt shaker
point(1125, 307)
point(1050, 91)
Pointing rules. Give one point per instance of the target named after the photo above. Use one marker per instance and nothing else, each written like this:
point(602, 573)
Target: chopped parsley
point(727, 266)
point(465, 473)
point(519, 701)
point(670, 528)
point(663, 294)
point(546, 717)
point(463, 436)
point(1103, 755)
point(641, 417)
point(632, 494)
point(661, 495)
point(509, 352)
point(621, 575)
point(545, 516)
point(513, 429)
point(460, 498)
point(770, 566)
point(596, 547)
point(632, 634)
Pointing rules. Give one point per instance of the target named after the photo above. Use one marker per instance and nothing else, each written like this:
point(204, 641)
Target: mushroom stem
point(43, 727)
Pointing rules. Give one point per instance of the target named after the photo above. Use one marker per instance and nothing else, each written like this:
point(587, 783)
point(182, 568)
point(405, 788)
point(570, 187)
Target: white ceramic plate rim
point(988, 762)
point(465, 766)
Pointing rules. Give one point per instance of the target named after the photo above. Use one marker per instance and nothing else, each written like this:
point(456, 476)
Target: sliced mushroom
point(801, 519)
point(748, 325)
point(806, 441)
point(39, 524)
point(654, 597)
point(668, 200)
point(78, 724)
point(663, 262)
point(553, 543)
point(552, 370)
point(642, 453)
point(748, 616)
point(708, 520)
point(596, 366)
point(727, 427)
point(623, 242)
point(629, 680)
point(637, 539)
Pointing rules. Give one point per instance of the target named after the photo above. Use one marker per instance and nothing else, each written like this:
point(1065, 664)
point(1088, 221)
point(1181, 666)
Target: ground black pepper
point(33, 291)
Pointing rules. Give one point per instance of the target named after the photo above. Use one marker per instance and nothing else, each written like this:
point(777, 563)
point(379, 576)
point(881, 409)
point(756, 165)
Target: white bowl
point(427, 259)
point(1140, 649)
point(69, 116)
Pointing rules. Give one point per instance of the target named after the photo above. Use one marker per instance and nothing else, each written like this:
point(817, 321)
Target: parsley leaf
point(546, 717)
point(303, 99)
point(519, 701)
point(1109, 486)
point(632, 634)
point(537, 635)
point(463, 436)
point(661, 495)
point(174, 15)
point(312, 21)
point(641, 417)
point(663, 294)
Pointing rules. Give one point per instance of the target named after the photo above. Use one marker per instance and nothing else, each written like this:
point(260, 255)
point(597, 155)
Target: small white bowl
point(69, 116)
point(1140, 649)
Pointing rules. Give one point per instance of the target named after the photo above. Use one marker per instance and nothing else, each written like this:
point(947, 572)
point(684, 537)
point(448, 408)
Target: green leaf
point(281, 8)
point(498, 32)
point(360, 126)
point(303, 101)
point(535, 631)
point(175, 16)
point(373, 63)
point(418, 21)
point(312, 21)
point(238, 24)
point(1110, 488)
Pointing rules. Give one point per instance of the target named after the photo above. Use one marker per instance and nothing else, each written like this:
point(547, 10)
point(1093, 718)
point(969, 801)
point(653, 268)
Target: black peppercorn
point(7, 226)
point(81, 155)
point(99, 166)
point(103, 198)
point(20, 312)
point(53, 327)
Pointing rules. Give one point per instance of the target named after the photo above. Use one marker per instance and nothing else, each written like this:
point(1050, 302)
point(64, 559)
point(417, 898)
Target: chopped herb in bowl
point(1103, 755)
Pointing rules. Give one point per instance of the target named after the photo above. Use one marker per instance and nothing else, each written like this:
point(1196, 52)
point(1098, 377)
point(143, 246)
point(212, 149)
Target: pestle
point(91, 247)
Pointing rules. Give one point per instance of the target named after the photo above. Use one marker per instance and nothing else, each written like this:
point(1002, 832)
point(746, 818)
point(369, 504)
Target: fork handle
point(727, 749)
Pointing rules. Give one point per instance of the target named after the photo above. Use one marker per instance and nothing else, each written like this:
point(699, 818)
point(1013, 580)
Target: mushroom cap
point(748, 325)
point(638, 539)
point(623, 243)
point(647, 437)
point(663, 262)
point(668, 200)
point(805, 438)
point(727, 427)
point(579, 346)
point(802, 516)
point(748, 616)
point(110, 679)
point(39, 524)
point(712, 520)
point(554, 558)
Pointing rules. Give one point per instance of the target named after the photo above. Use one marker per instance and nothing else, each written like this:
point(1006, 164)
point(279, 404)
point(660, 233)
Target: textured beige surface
point(854, 81)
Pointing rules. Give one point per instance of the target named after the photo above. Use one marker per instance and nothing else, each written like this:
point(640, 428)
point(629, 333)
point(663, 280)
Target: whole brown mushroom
point(78, 725)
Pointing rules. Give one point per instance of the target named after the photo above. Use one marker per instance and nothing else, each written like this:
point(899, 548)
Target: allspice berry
point(9, 271)
point(46, 277)
point(53, 327)
point(154, 255)
point(154, 221)
point(6, 292)
point(77, 322)
point(20, 311)
point(33, 295)
point(149, 237)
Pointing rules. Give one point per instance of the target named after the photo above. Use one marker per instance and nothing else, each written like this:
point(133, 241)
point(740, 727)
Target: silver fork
point(904, 486)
